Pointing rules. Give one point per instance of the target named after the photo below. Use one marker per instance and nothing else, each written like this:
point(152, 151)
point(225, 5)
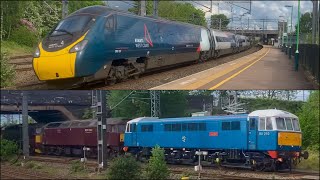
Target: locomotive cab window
point(262, 124)
point(296, 125)
point(289, 124)
point(269, 124)
point(281, 124)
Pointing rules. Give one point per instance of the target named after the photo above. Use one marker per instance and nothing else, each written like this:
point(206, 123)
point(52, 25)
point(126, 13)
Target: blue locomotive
point(262, 140)
point(101, 44)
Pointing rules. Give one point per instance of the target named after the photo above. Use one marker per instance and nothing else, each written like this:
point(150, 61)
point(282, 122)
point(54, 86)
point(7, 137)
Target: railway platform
point(268, 68)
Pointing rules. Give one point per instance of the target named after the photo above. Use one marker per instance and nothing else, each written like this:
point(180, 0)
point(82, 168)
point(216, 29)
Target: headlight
point(78, 47)
point(37, 53)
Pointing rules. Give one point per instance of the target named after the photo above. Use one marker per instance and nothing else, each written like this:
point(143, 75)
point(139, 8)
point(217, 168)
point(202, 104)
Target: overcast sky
point(259, 10)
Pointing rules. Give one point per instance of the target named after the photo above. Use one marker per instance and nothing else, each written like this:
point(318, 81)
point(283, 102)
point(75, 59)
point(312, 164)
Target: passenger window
point(110, 23)
point(192, 126)
point(269, 124)
point(295, 123)
point(226, 126)
point(280, 124)
point(202, 127)
point(262, 124)
point(289, 124)
point(184, 127)
point(235, 125)
point(146, 128)
point(176, 127)
point(252, 123)
point(167, 127)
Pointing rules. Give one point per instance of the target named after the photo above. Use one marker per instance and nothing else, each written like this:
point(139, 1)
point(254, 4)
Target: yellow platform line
point(236, 74)
point(205, 81)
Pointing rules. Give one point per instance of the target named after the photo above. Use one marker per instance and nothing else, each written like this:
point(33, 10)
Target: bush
point(124, 167)
point(77, 166)
point(24, 36)
point(7, 71)
point(157, 166)
point(33, 165)
point(8, 149)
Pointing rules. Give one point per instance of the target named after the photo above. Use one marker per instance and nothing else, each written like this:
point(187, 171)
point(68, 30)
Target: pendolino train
point(262, 140)
point(98, 43)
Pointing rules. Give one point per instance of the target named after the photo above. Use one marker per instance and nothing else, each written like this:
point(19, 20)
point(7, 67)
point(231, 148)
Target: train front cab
point(280, 138)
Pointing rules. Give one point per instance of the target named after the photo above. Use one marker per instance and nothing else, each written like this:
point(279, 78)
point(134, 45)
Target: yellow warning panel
point(289, 139)
point(122, 137)
point(38, 138)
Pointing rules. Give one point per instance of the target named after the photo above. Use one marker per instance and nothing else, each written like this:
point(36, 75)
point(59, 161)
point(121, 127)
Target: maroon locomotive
point(70, 137)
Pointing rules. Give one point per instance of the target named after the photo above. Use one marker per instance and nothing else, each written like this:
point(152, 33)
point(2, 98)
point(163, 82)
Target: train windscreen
point(71, 25)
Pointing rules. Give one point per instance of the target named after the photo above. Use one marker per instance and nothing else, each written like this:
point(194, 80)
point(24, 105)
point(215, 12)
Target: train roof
point(191, 119)
point(272, 113)
point(99, 10)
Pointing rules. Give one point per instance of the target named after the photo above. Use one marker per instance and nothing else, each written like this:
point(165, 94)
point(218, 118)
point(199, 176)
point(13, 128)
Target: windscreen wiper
point(63, 30)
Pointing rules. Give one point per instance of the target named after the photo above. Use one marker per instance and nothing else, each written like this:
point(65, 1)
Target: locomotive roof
point(272, 113)
point(196, 118)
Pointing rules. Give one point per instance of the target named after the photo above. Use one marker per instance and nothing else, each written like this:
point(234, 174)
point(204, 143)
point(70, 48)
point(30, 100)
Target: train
point(97, 43)
point(265, 140)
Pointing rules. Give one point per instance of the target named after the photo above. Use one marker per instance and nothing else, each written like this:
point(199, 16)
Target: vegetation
point(7, 71)
point(33, 165)
point(312, 163)
point(77, 166)
point(176, 11)
point(124, 167)
point(8, 149)
point(309, 121)
point(173, 103)
point(157, 167)
point(215, 21)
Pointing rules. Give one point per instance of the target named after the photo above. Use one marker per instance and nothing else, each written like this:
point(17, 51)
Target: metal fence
point(308, 58)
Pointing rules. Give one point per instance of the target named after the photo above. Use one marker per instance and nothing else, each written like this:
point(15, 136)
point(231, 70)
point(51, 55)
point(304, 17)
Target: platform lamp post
point(296, 58)
point(290, 30)
point(282, 31)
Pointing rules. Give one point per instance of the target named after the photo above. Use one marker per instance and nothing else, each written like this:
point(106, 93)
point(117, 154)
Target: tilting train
point(98, 43)
point(262, 140)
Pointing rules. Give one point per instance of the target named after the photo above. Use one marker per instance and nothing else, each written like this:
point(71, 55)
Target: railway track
point(11, 172)
point(22, 63)
point(208, 172)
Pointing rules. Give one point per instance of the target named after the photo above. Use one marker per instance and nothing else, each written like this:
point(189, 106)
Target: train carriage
point(69, 137)
point(264, 139)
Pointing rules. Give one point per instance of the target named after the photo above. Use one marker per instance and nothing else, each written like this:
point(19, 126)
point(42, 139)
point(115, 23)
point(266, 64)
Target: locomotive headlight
point(78, 47)
point(37, 53)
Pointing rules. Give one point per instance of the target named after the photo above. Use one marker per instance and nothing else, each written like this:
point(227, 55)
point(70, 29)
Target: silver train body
point(215, 43)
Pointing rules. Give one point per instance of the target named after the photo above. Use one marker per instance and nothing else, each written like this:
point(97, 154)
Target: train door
point(133, 129)
point(252, 133)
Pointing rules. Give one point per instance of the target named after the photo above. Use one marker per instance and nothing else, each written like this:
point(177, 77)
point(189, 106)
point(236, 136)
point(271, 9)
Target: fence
point(308, 58)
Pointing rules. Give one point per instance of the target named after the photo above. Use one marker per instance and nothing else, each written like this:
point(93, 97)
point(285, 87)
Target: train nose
point(55, 66)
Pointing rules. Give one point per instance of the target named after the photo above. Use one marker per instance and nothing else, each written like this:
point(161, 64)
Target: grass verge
point(312, 163)
point(14, 49)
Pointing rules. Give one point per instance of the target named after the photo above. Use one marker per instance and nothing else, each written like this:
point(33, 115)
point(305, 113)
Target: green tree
point(76, 5)
point(173, 103)
point(124, 167)
point(129, 104)
point(157, 167)
point(215, 21)
point(305, 23)
point(175, 11)
point(309, 121)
